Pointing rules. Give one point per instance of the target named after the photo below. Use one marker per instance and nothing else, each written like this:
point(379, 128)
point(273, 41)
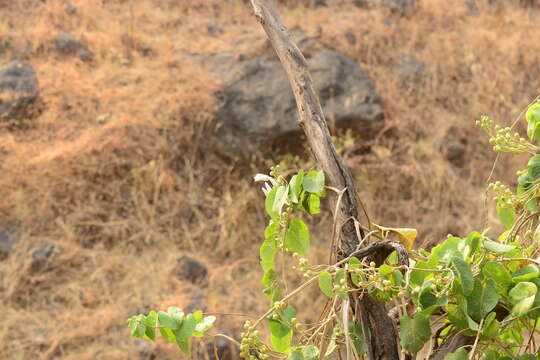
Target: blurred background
point(130, 132)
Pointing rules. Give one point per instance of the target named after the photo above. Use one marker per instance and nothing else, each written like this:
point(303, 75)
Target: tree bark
point(382, 337)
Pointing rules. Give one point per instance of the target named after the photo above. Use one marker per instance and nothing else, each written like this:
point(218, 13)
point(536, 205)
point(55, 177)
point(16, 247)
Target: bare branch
point(383, 337)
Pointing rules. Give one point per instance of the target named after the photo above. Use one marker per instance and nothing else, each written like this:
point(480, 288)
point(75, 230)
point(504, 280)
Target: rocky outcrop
point(257, 111)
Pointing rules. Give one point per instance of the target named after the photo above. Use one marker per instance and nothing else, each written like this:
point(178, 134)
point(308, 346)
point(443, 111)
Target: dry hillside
point(114, 174)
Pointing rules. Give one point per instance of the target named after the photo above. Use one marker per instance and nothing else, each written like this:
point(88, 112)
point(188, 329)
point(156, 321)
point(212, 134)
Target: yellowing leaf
point(407, 236)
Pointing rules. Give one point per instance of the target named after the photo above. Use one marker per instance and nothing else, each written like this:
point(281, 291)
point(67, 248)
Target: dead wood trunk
point(382, 337)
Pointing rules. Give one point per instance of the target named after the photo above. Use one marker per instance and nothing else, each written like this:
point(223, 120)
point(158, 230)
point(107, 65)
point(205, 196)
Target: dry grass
point(116, 172)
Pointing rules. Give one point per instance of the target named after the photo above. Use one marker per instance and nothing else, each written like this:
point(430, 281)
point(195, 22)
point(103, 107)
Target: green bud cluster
point(303, 265)
point(486, 124)
point(251, 344)
point(504, 141)
point(503, 195)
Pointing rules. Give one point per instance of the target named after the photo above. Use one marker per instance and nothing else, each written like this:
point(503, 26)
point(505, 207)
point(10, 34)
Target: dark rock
point(410, 70)
point(453, 151)
point(7, 241)
point(18, 90)
point(214, 30)
point(67, 44)
point(70, 9)
point(361, 3)
point(224, 349)
point(319, 2)
point(258, 113)
point(190, 269)
point(351, 39)
point(402, 7)
point(41, 255)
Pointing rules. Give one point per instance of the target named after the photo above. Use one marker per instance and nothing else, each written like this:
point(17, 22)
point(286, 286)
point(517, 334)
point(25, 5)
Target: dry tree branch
point(382, 342)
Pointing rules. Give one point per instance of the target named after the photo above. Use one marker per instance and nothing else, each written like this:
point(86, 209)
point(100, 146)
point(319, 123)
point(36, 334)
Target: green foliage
point(174, 326)
point(472, 285)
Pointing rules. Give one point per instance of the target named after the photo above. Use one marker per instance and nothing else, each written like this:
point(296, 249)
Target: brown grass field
point(116, 173)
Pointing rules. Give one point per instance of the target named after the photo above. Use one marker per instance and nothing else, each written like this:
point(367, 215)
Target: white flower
point(266, 189)
point(267, 181)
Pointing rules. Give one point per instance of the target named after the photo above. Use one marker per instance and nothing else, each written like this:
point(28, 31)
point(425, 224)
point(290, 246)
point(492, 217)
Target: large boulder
point(18, 90)
point(258, 112)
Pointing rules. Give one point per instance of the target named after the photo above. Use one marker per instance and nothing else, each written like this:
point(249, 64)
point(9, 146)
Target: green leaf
point(296, 355)
point(313, 204)
point(497, 247)
point(464, 274)
point(184, 346)
point(269, 277)
point(168, 335)
point(507, 215)
point(271, 232)
point(310, 352)
point(150, 323)
point(280, 332)
point(325, 284)
point(385, 270)
point(280, 199)
point(459, 319)
point(296, 186)
point(269, 202)
point(522, 297)
point(490, 354)
point(527, 357)
point(186, 330)
point(536, 303)
point(172, 321)
point(267, 252)
point(533, 167)
point(482, 299)
point(204, 325)
point(314, 181)
point(418, 277)
point(533, 121)
point(297, 237)
point(354, 263)
point(501, 276)
point(449, 248)
point(491, 327)
point(415, 332)
point(459, 354)
point(526, 273)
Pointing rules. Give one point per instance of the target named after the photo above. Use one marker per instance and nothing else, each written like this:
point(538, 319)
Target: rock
point(351, 39)
point(190, 269)
point(319, 2)
point(361, 3)
point(18, 90)
point(402, 7)
point(41, 255)
point(70, 9)
point(410, 70)
point(257, 111)
point(453, 151)
point(67, 44)
point(214, 30)
point(7, 241)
